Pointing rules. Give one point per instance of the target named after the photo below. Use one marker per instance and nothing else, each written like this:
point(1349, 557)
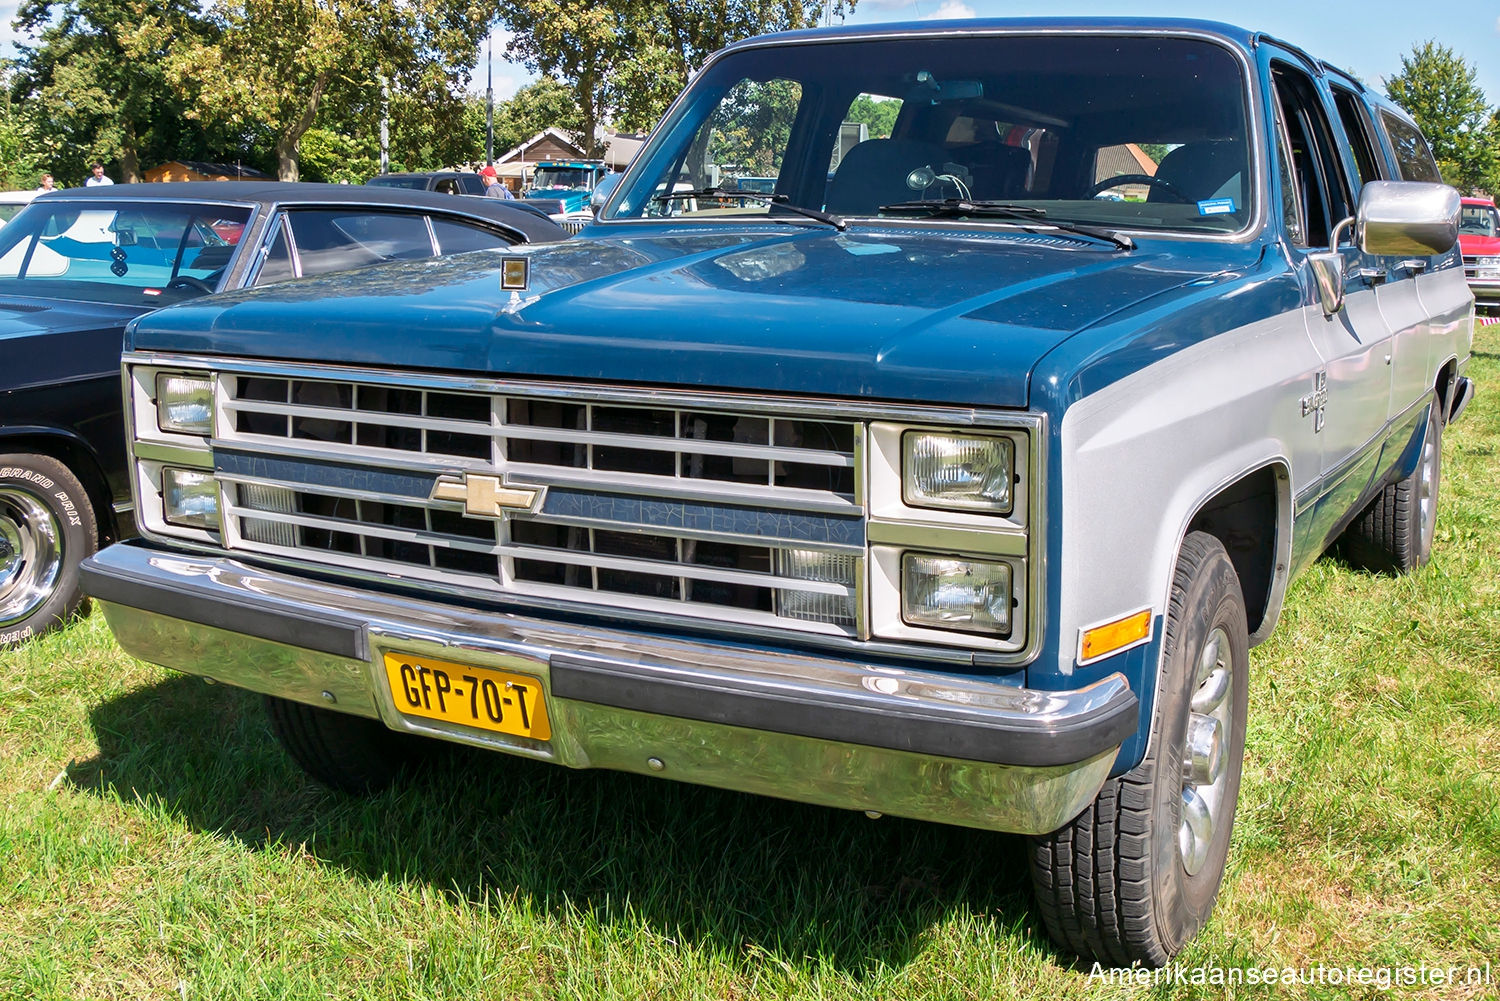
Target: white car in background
point(12, 202)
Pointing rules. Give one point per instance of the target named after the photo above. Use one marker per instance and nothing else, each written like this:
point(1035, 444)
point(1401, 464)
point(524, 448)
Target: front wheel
point(349, 753)
point(1135, 876)
point(47, 527)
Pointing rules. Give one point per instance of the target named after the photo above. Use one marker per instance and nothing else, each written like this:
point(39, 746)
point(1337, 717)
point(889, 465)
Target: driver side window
point(1320, 189)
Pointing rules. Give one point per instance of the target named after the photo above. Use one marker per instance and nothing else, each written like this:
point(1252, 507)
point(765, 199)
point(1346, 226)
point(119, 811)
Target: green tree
point(278, 61)
point(326, 155)
point(97, 75)
point(20, 151)
point(1440, 90)
point(878, 116)
point(536, 106)
point(627, 60)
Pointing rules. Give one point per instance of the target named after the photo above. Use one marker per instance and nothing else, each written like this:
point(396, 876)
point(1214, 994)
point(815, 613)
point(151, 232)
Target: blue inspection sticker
point(1216, 206)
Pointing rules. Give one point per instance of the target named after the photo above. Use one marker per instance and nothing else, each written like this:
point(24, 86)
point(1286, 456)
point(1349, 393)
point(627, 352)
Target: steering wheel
point(189, 281)
point(1166, 187)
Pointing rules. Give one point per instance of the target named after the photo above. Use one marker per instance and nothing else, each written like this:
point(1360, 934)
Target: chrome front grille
point(702, 510)
point(1472, 269)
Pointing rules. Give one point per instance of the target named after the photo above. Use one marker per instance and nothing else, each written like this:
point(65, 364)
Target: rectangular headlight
point(971, 596)
point(190, 498)
point(185, 403)
point(958, 472)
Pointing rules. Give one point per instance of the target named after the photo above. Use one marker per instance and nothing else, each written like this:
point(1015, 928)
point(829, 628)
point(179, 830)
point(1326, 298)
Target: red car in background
point(1479, 238)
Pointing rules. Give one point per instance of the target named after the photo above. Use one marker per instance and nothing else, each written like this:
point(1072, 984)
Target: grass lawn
point(156, 843)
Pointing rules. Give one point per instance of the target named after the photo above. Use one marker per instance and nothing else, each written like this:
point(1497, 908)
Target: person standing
point(98, 178)
point(493, 188)
point(46, 185)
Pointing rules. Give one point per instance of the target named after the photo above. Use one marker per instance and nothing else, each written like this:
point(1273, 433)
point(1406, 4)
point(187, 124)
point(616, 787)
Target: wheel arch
point(80, 458)
point(1447, 381)
point(1251, 516)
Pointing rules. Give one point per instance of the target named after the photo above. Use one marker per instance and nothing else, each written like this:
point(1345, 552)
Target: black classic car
point(448, 182)
point(76, 266)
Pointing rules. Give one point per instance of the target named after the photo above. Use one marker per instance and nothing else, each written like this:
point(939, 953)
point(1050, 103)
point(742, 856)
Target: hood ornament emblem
point(515, 274)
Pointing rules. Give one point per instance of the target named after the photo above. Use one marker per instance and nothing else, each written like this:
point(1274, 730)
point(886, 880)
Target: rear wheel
point(46, 527)
point(348, 753)
point(1135, 876)
point(1394, 534)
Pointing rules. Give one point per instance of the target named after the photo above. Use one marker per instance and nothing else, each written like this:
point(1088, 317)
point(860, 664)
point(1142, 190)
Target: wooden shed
point(198, 170)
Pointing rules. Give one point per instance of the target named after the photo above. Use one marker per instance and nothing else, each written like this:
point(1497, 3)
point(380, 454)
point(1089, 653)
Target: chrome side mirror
point(1407, 218)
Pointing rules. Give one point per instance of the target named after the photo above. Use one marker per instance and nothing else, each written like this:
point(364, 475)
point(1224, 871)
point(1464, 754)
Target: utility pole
point(385, 125)
point(489, 105)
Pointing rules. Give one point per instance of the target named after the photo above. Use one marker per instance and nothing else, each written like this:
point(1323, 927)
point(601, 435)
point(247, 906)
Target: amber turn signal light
point(1112, 636)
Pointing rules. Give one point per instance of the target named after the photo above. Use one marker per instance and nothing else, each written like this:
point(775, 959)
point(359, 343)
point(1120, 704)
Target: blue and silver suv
point(951, 473)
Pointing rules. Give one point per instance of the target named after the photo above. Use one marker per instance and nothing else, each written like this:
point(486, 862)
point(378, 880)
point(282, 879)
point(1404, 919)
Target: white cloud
point(950, 10)
point(1497, 25)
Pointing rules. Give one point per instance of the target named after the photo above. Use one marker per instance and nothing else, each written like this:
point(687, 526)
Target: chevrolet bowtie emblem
point(484, 496)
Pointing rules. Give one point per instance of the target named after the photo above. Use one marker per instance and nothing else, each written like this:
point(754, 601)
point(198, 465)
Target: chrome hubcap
point(1203, 762)
point(30, 554)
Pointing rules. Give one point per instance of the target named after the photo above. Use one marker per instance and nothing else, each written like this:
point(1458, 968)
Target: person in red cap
point(492, 186)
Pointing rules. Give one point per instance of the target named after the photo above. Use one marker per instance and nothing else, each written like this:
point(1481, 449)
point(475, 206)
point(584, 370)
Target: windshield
point(1124, 132)
point(1479, 220)
point(562, 177)
point(118, 253)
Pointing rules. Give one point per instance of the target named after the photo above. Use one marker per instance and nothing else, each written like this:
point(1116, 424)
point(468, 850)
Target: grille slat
point(355, 527)
point(712, 513)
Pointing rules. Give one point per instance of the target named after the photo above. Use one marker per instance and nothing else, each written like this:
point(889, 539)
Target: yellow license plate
point(470, 696)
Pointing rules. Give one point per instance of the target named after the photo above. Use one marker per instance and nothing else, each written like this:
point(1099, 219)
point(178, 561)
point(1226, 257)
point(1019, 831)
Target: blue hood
point(909, 314)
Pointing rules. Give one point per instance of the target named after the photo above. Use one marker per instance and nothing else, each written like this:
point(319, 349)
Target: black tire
point(349, 753)
point(47, 526)
point(1394, 534)
point(1119, 884)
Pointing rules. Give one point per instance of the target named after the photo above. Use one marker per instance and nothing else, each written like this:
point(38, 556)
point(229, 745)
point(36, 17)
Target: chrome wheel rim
point(1204, 764)
point(30, 554)
point(1427, 487)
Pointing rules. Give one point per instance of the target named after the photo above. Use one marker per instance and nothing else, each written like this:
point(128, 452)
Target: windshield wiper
point(775, 201)
point(950, 208)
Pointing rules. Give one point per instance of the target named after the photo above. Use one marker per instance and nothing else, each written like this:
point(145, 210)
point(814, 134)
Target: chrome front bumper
point(940, 747)
point(1486, 291)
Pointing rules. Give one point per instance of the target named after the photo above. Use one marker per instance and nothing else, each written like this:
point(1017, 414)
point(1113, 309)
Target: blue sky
point(1367, 39)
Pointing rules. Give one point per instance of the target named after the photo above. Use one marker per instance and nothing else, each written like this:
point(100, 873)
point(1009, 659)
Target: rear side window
point(328, 240)
point(1412, 153)
point(456, 237)
point(341, 240)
